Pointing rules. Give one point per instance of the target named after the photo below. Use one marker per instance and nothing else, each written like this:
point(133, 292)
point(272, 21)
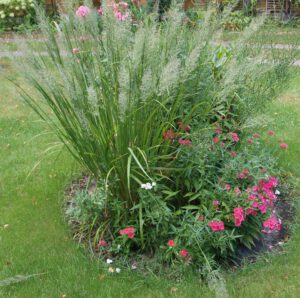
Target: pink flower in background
point(216, 226)
point(82, 11)
point(216, 203)
point(120, 16)
point(250, 141)
point(239, 216)
point(215, 140)
point(102, 243)
point(284, 146)
point(270, 132)
point(241, 176)
point(128, 231)
point(227, 186)
point(169, 135)
point(100, 11)
point(234, 136)
point(272, 224)
point(237, 191)
point(184, 127)
point(184, 142)
point(171, 243)
point(184, 253)
point(223, 144)
point(255, 135)
point(218, 131)
point(233, 153)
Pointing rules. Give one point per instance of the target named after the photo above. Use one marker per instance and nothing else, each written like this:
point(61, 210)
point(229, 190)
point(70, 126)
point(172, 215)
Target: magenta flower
point(120, 16)
point(184, 142)
point(270, 132)
point(218, 131)
point(128, 231)
point(184, 253)
point(102, 243)
point(233, 153)
point(216, 203)
point(171, 243)
point(272, 224)
point(249, 141)
point(234, 136)
point(239, 216)
point(215, 140)
point(82, 11)
point(255, 135)
point(216, 226)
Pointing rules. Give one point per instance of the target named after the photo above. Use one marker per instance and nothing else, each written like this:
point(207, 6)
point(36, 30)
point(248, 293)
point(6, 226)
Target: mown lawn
point(37, 240)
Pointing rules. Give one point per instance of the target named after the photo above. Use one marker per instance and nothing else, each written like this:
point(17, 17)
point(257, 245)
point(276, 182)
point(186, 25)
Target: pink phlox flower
point(169, 135)
point(249, 141)
point(255, 135)
point(227, 186)
point(284, 146)
point(100, 11)
point(82, 11)
point(215, 140)
point(233, 153)
point(216, 203)
point(102, 243)
point(184, 253)
point(171, 243)
point(239, 216)
point(218, 131)
point(251, 211)
point(184, 142)
point(216, 226)
point(270, 132)
point(272, 224)
point(120, 16)
point(234, 136)
point(128, 231)
point(252, 197)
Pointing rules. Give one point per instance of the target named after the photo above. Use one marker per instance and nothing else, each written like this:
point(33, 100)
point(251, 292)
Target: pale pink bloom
point(216, 203)
point(270, 132)
point(75, 51)
point(82, 11)
point(100, 11)
point(284, 146)
point(121, 17)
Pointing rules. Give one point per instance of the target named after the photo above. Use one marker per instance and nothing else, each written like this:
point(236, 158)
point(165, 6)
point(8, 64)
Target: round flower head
point(82, 11)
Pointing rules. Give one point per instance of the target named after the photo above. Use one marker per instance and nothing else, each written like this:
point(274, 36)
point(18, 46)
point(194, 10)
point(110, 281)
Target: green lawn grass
point(37, 239)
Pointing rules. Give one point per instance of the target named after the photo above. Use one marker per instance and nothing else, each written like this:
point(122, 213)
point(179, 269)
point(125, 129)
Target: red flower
point(171, 243)
point(255, 135)
point(216, 203)
point(233, 153)
point(250, 141)
point(168, 135)
point(270, 132)
point(184, 253)
point(128, 231)
point(227, 186)
point(218, 131)
point(102, 243)
point(215, 140)
point(184, 142)
point(284, 146)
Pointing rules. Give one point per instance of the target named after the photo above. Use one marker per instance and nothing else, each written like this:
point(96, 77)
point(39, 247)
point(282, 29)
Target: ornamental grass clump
point(153, 112)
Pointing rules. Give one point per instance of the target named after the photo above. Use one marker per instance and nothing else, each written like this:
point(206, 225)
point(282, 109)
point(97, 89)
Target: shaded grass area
point(37, 239)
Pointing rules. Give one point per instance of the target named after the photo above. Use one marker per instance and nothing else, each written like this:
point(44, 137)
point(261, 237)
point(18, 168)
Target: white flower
point(133, 267)
point(277, 192)
point(5, 226)
point(111, 270)
point(119, 246)
point(153, 184)
point(118, 270)
point(109, 261)
point(146, 186)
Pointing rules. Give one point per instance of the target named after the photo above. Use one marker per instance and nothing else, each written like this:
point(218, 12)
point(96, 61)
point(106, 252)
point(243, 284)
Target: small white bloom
point(118, 270)
point(109, 261)
point(111, 270)
point(119, 246)
point(277, 192)
point(146, 186)
point(133, 267)
point(5, 226)
point(153, 183)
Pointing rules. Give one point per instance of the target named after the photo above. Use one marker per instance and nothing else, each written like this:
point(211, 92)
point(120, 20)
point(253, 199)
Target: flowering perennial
point(128, 231)
point(216, 226)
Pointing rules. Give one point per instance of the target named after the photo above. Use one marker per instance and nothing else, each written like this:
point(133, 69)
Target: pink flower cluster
point(272, 224)
point(234, 137)
point(82, 11)
point(239, 216)
point(262, 195)
point(216, 226)
point(120, 10)
point(128, 231)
